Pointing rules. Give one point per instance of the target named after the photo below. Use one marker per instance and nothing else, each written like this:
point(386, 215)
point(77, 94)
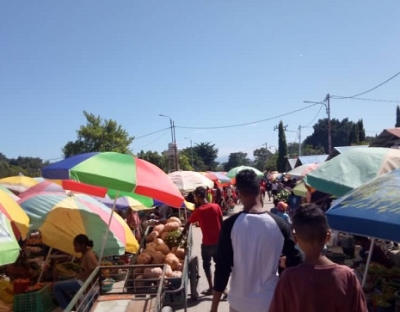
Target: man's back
point(251, 244)
point(333, 288)
point(209, 217)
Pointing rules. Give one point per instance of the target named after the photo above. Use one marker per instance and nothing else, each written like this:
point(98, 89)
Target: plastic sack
point(6, 292)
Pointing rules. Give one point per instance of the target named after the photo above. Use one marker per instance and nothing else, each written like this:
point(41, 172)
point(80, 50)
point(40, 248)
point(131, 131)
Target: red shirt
point(209, 217)
point(331, 288)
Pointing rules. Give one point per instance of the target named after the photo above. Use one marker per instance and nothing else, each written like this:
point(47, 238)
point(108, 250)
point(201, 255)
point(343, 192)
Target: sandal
point(207, 292)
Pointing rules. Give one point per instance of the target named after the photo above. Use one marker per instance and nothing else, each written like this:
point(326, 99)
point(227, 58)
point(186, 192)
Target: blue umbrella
point(372, 210)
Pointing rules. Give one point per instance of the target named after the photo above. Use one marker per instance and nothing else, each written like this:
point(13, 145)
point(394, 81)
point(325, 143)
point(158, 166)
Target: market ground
point(203, 304)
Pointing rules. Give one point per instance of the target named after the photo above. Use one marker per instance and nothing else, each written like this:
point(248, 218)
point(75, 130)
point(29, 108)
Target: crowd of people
point(274, 260)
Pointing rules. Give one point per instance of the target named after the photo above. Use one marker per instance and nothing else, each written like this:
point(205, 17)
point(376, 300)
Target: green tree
point(99, 135)
point(204, 156)
point(397, 116)
point(282, 149)
point(236, 159)
point(153, 157)
point(354, 138)
point(28, 166)
point(261, 156)
point(271, 163)
point(340, 133)
point(361, 130)
point(184, 162)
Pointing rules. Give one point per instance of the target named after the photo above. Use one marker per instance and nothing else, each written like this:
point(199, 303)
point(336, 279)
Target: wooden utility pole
point(328, 112)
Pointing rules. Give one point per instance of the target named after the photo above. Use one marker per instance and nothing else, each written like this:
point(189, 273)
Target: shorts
point(208, 253)
point(274, 192)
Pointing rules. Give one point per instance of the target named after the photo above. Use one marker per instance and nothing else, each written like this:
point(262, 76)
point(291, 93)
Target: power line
point(156, 139)
point(372, 89)
point(312, 121)
point(339, 97)
point(252, 122)
point(151, 133)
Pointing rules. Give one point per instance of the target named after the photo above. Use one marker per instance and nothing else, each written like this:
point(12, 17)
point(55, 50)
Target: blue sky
point(204, 63)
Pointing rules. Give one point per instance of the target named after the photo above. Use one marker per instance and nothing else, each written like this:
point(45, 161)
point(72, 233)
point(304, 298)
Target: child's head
point(282, 206)
point(311, 229)
point(276, 201)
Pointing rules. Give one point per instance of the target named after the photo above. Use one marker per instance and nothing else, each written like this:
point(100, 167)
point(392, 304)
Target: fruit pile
point(163, 247)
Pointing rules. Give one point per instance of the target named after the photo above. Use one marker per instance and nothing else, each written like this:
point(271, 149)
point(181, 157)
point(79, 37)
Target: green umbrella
point(352, 169)
point(9, 248)
point(233, 172)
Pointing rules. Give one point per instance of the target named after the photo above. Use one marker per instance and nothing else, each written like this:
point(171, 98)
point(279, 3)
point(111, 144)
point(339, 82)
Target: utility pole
point(172, 163)
point(327, 103)
point(277, 127)
point(328, 112)
point(299, 140)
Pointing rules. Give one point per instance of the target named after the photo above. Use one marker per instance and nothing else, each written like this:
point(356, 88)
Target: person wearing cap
point(282, 207)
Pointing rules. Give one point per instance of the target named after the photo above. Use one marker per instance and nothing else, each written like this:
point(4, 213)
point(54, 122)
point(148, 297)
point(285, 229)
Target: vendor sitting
point(378, 255)
point(65, 290)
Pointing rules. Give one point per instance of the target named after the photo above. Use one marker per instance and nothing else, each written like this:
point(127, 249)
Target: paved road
point(204, 302)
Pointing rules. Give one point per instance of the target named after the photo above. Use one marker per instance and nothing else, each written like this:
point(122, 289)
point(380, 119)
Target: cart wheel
point(167, 309)
point(194, 277)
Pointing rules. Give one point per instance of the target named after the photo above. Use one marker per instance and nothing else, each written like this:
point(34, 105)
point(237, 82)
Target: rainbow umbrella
point(9, 248)
point(126, 202)
point(44, 186)
point(120, 174)
point(60, 217)
point(15, 214)
point(11, 194)
point(18, 184)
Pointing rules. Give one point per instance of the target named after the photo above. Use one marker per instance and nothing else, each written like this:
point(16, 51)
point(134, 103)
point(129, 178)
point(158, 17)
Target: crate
point(38, 301)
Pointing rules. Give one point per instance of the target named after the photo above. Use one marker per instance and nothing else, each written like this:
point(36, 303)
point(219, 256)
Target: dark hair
point(201, 192)
point(276, 201)
point(310, 224)
point(82, 239)
point(248, 183)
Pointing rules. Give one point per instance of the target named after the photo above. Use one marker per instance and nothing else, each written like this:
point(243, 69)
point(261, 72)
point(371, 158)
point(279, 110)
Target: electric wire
point(151, 133)
point(372, 89)
point(252, 122)
point(315, 117)
point(339, 97)
point(154, 140)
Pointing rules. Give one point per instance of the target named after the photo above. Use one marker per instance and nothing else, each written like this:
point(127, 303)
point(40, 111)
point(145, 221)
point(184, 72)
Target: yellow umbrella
point(18, 184)
point(19, 219)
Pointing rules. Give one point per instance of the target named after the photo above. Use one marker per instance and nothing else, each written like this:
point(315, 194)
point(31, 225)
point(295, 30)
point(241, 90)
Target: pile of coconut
point(162, 247)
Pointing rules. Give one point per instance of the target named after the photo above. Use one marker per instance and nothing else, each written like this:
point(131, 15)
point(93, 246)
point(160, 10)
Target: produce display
point(163, 246)
point(66, 270)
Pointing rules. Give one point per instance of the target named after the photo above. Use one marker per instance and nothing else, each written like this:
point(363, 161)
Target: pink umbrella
point(45, 186)
point(301, 171)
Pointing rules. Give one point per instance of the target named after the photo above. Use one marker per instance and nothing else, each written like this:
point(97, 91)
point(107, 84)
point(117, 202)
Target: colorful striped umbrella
point(120, 174)
point(60, 217)
point(9, 248)
point(15, 214)
point(352, 169)
point(233, 172)
point(44, 186)
point(126, 202)
point(18, 184)
point(11, 194)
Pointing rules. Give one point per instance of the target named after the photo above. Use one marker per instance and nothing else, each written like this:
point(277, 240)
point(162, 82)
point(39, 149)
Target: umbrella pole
point(103, 246)
point(43, 266)
point(371, 248)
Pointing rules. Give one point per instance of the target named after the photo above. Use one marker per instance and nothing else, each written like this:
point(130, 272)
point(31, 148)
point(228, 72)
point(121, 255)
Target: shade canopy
point(371, 210)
